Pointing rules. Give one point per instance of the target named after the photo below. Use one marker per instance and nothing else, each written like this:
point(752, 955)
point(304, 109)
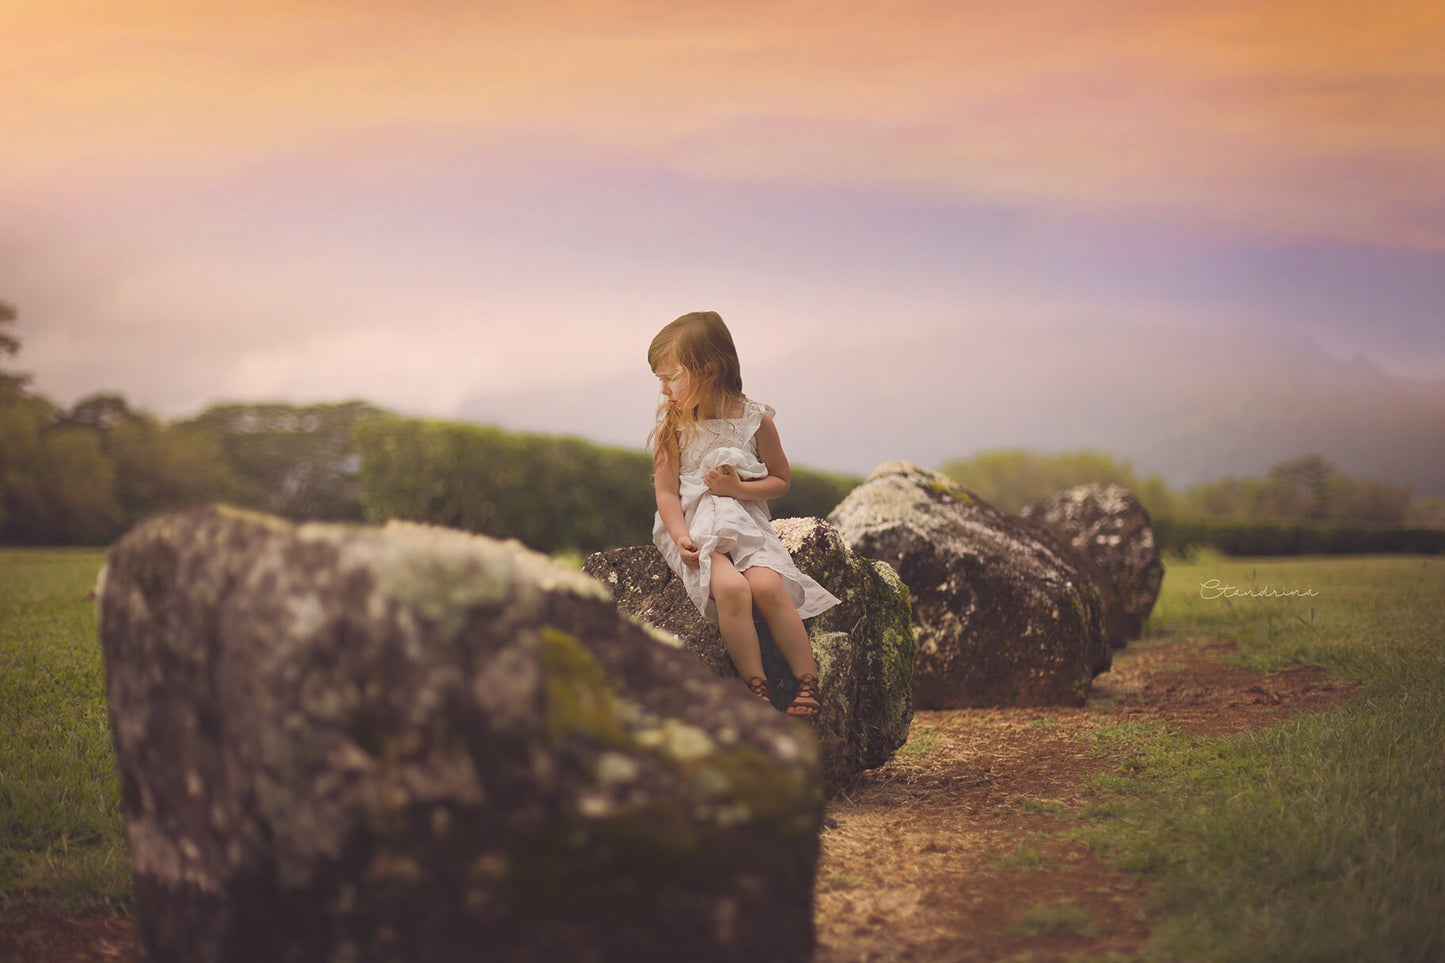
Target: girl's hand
point(687, 548)
point(723, 481)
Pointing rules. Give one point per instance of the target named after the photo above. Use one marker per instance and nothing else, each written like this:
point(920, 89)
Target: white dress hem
point(740, 529)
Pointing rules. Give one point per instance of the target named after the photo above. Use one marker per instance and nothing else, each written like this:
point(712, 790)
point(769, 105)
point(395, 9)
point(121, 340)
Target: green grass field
point(1319, 838)
point(1323, 837)
point(60, 830)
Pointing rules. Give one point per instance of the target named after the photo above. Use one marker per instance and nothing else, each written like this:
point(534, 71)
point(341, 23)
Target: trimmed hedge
point(552, 493)
point(1236, 537)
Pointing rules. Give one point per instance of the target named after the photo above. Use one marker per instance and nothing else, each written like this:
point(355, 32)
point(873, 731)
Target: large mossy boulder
point(1002, 617)
point(864, 646)
point(403, 744)
point(1109, 526)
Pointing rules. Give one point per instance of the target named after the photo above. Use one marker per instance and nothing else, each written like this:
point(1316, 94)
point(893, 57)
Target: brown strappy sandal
point(758, 686)
point(805, 704)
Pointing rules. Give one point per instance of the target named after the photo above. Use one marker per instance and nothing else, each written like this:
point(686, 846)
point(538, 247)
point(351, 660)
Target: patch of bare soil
point(50, 936)
point(954, 850)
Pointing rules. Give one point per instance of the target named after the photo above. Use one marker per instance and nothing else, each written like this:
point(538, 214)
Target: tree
point(56, 483)
point(1366, 501)
point(11, 384)
point(299, 462)
point(9, 344)
point(1299, 487)
point(23, 422)
point(103, 410)
point(160, 466)
point(80, 505)
point(1013, 478)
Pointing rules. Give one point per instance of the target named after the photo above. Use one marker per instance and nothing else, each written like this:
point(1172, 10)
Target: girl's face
point(676, 382)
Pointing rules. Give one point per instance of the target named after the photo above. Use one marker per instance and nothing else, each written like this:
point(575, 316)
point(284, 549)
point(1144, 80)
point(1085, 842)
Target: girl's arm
point(667, 487)
point(725, 481)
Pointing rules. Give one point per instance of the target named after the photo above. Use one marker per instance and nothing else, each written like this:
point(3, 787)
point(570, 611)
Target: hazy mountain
point(1189, 405)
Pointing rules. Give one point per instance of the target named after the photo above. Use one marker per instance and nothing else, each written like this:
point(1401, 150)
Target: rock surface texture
point(1109, 526)
point(1113, 613)
point(1002, 618)
point(864, 646)
point(405, 744)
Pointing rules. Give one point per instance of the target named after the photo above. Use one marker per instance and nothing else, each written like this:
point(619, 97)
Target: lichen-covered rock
point(403, 744)
point(864, 646)
point(1114, 620)
point(1001, 617)
point(1109, 526)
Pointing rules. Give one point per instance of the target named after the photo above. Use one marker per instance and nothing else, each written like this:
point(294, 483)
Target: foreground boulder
point(864, 646)
point(348, 744)
point(1109, 526)
point(1002, 618)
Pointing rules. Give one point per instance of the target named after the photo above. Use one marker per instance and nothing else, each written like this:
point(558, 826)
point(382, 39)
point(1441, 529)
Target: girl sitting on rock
point(716, 461)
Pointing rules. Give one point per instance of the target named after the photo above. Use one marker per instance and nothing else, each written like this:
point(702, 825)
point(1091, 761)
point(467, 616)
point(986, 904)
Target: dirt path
point(952, 852)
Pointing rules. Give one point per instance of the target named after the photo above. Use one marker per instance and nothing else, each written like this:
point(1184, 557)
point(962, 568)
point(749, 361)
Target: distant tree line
point(550, 492)
point(1300, 489)
point(85, 474)
point(556, 493)
point(1303, 505)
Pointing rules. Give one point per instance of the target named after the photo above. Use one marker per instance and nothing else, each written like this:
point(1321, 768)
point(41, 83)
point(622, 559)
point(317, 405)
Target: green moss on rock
point(949, 490)
point(579, 698)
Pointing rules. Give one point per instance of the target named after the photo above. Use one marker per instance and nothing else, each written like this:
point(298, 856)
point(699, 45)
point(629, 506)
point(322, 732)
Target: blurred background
point(281, 252)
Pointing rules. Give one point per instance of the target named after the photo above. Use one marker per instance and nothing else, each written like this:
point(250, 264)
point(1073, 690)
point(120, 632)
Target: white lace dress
point(737, 528)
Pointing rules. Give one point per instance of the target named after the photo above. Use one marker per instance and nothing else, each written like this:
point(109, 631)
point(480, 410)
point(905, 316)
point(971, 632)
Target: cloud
point(418, 203)
point(1277, 118)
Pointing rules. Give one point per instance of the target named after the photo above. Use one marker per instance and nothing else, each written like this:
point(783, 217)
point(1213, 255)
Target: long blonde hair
point(702, 345)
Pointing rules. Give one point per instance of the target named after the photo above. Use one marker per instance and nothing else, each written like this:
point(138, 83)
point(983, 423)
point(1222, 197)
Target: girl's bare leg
point(734, 598)
point(789, 634)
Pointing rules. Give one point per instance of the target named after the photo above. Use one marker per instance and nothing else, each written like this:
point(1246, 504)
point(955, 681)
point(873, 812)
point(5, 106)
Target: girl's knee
point(730, 589)
point(765, 583)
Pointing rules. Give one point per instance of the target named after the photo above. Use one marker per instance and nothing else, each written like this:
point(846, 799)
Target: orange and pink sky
point(422, 203)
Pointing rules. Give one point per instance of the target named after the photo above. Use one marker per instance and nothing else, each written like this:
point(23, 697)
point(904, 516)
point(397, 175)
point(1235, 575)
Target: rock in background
point(1109, 526)
point(1001, 617)
point(348, 744)
point(1115, 621)
point(864, 646)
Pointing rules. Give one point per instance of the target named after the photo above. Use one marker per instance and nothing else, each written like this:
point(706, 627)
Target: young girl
point(716, 461)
